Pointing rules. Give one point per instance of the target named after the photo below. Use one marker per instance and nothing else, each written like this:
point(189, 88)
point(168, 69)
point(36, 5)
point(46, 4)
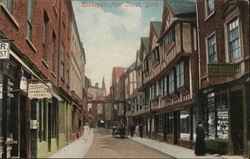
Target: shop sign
point(4, 50)
point(34, 124)
point(23, 84)
point(220, 70)
point(39, 91)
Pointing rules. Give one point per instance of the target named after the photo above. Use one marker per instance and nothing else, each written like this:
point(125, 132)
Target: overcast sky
point(111, 30)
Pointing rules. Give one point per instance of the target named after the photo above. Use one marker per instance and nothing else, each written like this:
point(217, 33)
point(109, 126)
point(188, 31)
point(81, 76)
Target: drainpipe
point(198, 45)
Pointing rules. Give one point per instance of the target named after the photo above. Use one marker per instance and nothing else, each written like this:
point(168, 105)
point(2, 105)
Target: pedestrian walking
point(200, 146)
point(132, 130)
point(141, 130)
point(137, 130)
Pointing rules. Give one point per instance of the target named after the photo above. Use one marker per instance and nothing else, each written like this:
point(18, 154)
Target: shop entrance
point(237, 121)
point(24, 122)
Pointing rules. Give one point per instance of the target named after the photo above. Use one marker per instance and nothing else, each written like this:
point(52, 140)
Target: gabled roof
point(182, 7)
point(145, 41)
point(157, 27)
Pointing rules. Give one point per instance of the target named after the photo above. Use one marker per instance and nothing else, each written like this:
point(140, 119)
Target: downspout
point(198, 45)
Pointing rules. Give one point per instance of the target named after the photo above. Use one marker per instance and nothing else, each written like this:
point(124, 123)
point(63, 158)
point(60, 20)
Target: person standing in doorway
point(200, 146)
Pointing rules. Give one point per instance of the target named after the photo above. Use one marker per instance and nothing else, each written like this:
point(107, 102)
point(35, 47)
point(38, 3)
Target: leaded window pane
point(210, 6)
point(212, 49)
point(233, 39)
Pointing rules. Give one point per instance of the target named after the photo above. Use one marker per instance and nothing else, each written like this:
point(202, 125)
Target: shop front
point(225, 109)
point(14, 109)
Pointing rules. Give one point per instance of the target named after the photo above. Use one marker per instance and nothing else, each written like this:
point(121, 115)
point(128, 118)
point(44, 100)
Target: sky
point(110, 31)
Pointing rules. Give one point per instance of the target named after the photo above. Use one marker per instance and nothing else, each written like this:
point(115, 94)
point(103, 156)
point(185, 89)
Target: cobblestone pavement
point(106, 146)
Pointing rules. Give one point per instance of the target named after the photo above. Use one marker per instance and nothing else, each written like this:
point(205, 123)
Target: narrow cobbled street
point(106, 146)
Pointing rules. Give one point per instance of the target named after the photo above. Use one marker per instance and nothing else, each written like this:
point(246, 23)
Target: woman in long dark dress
point(200, 146)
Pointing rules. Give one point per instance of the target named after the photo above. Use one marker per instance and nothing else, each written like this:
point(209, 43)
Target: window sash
point(233, 40)
point(29, 31)
point(8, 4)
point(53, 53)
point(210, 6)
point(29, 13)
point(180, 75)
point(171, 82)
point(212, 49)
point(62, 62)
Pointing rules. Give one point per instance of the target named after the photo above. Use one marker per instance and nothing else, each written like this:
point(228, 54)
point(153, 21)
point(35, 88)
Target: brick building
point(224, 73)
point(40, 47)
point(77, 82)
point(117, 93)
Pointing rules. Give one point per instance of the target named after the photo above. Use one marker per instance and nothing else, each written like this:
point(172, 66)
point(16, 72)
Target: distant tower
point(103, 84)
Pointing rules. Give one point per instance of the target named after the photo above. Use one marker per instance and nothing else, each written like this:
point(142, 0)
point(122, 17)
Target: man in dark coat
point(141, 130)
point(200, 146)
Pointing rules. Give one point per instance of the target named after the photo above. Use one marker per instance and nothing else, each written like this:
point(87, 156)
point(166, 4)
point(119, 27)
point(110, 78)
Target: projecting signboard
point(220, 70)
point(39, 91)
point(4, 50)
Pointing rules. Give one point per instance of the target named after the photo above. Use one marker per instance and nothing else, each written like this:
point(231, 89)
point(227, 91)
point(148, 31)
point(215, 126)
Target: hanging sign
point(39, 91)
point(23, 84)
point(4, 50)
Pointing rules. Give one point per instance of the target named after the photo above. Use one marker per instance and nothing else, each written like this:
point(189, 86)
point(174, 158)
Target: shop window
point(185, 124)
point(195, 121)
point(169, 123)
point(222, 116)
point(217, 116)
point(211, 116)
point(43, 119)
point(234, 39)
point(54, 116)
point(159, 125)
point(1, 105)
